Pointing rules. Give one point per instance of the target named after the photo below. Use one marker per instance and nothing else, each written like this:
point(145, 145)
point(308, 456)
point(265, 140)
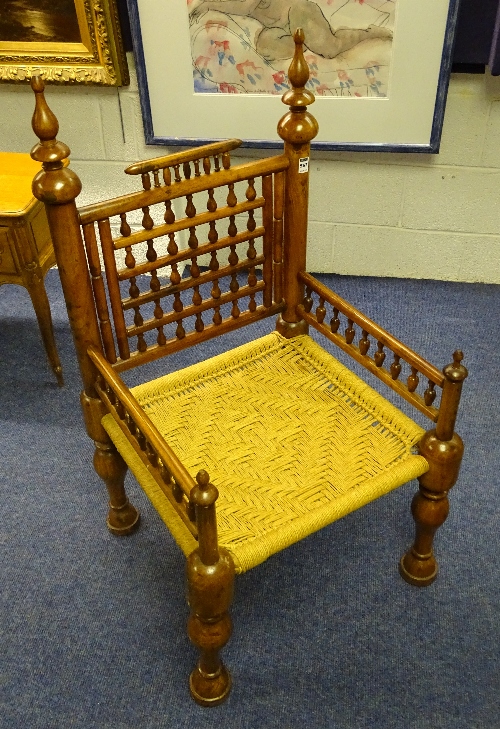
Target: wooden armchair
point(291, 438)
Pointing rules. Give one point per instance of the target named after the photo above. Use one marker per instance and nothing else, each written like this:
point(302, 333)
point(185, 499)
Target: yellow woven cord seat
point(291, 438)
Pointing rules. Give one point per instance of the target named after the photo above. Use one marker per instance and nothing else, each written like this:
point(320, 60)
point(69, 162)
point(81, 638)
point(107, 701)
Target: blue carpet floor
point(326, 633)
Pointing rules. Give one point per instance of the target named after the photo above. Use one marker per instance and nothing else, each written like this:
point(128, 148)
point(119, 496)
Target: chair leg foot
point(123, 520)
point(210, 689)
point(416, 569)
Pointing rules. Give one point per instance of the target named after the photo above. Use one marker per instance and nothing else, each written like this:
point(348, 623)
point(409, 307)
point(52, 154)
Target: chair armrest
point(172, 476)
point(359, 352)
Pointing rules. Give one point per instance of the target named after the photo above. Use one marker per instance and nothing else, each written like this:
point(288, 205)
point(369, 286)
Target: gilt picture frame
point(192, 55)
point(64, 41)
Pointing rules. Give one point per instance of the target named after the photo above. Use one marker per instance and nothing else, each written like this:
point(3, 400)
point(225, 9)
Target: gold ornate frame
point(98, 59)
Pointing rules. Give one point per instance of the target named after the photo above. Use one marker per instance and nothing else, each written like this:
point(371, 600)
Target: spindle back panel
point(162, 296)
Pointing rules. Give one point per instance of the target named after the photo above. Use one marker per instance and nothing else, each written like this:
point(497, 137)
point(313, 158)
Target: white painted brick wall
point(414, 216)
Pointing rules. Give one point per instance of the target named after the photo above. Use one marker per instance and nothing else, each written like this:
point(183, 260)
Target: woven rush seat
point(292, 439)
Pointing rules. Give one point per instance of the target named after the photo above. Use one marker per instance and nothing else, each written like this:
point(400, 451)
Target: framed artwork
point(213, 69)
point(65, 41)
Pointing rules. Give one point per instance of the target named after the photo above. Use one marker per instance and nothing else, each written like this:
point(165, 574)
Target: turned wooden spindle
point(231, 197)
point(350, 332)
point(335, 321)
point(147, 220)
point(395, 368)
point(213, 235)
point(193, 240)
point(320, 311)
point(57, 186)
point(216, 292)
point(212, 203)
point(297, 128)
point(251, 193)
point(443, 449)
point(124, 227)
point(278, 226)
point(364, 343)
point(190, 208)
point(169, 216)
point(167, 177)
point(210, 574)
point(232, 230)
point(379, 355)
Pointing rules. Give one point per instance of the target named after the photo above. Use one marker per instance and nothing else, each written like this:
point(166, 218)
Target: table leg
point(36, 289)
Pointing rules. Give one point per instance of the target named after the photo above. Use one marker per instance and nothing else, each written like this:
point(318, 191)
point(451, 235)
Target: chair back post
point(57, 187)
point(297, 128)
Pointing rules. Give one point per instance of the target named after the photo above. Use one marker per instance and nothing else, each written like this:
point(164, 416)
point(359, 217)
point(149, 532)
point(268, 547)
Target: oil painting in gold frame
point(65, 41)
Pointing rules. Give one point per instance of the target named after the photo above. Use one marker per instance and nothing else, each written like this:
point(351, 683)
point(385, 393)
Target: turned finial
point(456, 372)
point(298, 75)
point(55, 184)
point(298, 126)
point(44, 122)
point(45, 125)
point(205, 494)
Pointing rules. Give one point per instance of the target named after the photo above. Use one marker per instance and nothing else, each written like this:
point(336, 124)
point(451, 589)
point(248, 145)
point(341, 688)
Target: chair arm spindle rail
point(385, 343)
point(169, 472)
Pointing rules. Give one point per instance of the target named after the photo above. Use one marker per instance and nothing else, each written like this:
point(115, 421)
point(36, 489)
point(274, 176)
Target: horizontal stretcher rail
point(188, 283)
point(207, 305)
point(185, 223)
point(156, 351)
point(186, 253)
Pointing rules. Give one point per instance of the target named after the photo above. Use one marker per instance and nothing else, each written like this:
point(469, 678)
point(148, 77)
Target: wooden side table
point(26, 251)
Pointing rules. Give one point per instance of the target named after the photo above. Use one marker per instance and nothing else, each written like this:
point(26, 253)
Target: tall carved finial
point(61, 185)
point(44, 122)
point(46, 126)
point(298, 126)
point(298, 75)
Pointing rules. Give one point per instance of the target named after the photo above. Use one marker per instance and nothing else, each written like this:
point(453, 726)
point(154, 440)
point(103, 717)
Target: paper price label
point(303, 164)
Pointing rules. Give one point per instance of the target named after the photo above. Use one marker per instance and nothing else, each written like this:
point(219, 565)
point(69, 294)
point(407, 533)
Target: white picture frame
point(408, 119)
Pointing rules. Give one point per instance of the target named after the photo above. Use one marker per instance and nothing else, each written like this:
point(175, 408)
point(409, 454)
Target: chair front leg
point(430, 506)
point(210, 592)
point(210, 576)
point(443, 449)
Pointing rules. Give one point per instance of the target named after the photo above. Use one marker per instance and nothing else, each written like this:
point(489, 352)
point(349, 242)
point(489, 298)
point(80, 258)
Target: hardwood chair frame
point(285, 290)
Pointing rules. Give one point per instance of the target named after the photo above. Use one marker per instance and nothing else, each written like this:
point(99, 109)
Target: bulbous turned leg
point(418, 566)
point(123, 518)
point(210, 592)
point(430, 506)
